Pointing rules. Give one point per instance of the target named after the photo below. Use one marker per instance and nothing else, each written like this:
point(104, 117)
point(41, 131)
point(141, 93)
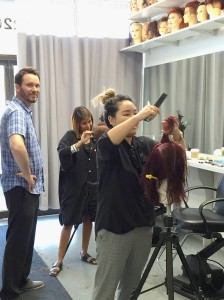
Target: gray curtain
point(73, 70)
point(195, 87)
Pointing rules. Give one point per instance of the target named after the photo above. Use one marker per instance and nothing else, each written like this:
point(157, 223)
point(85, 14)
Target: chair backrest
point(219, 206)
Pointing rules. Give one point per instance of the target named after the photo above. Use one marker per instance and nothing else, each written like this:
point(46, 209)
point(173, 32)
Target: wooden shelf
point(192, 34)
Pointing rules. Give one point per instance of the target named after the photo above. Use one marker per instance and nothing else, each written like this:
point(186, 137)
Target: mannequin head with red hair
point(165, 171)
point(175, 18)
point(167, 162)
point(190, 13)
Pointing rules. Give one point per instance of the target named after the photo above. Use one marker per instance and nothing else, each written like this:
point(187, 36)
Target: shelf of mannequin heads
point(155, 23)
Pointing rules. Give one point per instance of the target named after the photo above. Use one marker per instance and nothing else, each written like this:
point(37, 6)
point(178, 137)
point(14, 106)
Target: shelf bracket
point(149, 51)
point(221, 22)
point(206, 32)
point(176, 43)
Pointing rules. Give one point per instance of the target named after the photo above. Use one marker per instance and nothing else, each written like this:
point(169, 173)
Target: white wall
point(8, 44)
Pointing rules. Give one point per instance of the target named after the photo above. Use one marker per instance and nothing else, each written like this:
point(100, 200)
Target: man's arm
point(19, 152)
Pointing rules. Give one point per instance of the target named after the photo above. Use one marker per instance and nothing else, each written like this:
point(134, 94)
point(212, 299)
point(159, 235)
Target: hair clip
point(149, 176)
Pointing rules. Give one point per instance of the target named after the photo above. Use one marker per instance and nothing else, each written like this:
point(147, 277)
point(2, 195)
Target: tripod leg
point(169, 267)
point(137, 291)
point(69, 242)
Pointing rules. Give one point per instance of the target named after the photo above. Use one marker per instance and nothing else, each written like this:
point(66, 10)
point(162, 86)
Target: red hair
point(180, 12)
point(192, 4)
point(167, 161)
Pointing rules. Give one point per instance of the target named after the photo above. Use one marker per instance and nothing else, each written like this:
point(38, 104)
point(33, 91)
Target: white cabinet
point(199, 39)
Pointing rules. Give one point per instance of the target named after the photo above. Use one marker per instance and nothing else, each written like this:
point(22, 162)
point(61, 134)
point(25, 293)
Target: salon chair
point(207, 221)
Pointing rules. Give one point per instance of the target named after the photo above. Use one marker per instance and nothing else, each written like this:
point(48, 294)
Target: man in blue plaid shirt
point(22, 183)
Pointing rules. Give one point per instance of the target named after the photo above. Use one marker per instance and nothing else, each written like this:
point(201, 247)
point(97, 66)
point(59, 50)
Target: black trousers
point(23, 208)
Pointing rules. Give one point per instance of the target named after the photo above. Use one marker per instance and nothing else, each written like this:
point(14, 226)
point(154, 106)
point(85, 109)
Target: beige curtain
point(73, 70)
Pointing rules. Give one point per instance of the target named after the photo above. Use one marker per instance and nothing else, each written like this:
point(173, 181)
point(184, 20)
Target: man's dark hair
point(22, 72)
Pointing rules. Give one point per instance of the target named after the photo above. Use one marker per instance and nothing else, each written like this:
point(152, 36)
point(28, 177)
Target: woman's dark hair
point(111, 106)
point(22, 72)
point(78, 115)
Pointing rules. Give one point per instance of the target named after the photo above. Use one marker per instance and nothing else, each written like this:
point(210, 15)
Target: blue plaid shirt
point(17, 119)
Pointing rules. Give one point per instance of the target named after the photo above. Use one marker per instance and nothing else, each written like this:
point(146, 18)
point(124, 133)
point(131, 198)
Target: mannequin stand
point(171, 240)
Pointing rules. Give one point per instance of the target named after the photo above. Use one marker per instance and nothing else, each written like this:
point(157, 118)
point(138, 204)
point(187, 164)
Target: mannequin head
point(141, 4)
point(136, 32)
point(214, 8)
point(162, 26)
point(165, 168)
point(165, 172)
point(202, 14)
point(175, 18)
point(134, 6)
point(153, 30)
point(145, 31)
point(190, 13)
point(150, 2)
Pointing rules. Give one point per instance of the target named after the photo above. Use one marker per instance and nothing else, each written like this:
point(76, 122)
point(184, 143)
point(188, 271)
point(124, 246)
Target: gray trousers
point(120, 262)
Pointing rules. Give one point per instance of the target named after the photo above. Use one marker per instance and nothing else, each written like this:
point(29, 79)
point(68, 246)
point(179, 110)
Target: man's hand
point(30, 180)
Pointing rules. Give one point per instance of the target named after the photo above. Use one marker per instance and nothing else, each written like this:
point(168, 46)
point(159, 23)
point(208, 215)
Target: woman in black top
point(77, 183)
point(124, 219)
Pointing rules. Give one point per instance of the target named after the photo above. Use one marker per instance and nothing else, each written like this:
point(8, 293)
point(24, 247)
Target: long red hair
point(167, 161)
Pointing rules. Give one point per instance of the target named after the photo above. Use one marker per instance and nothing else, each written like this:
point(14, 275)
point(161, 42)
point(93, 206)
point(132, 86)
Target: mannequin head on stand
point(175, 18)
point(165, 171)
point(202, 14)
point(214, 8)
point(190, 13)
point(136, 32)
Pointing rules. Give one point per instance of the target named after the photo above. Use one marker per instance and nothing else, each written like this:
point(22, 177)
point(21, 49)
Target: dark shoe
point(31, 285)
point(56, 269)
point(88, 259)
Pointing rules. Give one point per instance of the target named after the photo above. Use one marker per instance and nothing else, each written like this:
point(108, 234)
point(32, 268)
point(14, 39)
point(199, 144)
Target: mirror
point(195, 88)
